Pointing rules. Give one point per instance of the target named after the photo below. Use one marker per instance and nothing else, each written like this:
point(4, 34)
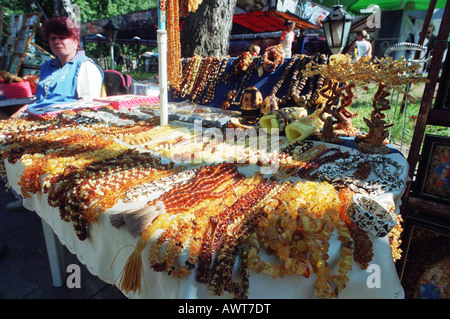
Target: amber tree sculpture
point(343, 75)
point(390, 75)
point(335, 96)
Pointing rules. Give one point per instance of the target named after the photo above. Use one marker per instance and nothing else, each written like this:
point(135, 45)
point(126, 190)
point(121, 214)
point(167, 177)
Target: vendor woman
point(70, 77)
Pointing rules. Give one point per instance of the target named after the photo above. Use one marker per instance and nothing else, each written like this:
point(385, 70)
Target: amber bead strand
point(200, 82)
point(304, 172)
point(154, 250)
point(184, 233)
point(283, 77)
point(173, 248)
point(219, 225)
point(295, 80)
point(247, 76)
point(187, 73)
point(235, 243)
point(29, 181)
point(201, 173)
point(196, 222)
point(112, 198)
point(174, 47)
point(195, 197)
point(279, 233)
point(195, 190)
point(240, 207)
point(209, 78)
point(85, 196)
point(215, 81)
point(205, 254)
point(347, 252)
point(363, 246)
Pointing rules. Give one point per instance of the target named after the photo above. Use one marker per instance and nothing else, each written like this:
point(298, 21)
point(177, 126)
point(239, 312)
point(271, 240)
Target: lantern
point(111, 30)
point(337, 28)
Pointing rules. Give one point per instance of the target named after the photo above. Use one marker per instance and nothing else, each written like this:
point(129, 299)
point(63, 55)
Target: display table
point(16, 101)
point(107, 249)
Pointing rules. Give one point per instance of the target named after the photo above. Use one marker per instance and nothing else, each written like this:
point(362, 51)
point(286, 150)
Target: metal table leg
point(55, 253)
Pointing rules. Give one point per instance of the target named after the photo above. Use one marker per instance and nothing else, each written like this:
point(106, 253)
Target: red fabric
point(270, 21)
point(128, 101)
point(17, 90)
point(126, 78)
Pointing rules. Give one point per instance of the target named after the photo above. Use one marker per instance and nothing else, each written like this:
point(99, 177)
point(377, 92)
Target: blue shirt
point(58, 84)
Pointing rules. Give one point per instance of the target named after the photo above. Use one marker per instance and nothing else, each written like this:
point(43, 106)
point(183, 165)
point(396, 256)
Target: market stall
point(173, 253)
point(251, 182)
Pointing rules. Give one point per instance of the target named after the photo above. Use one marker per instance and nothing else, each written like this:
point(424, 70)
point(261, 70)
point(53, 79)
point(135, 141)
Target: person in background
point(119, 62)
point(255, 50)
point(429, 40)
point(362, 44)
point(70, 77)
point(287, 37)
point(128, 63)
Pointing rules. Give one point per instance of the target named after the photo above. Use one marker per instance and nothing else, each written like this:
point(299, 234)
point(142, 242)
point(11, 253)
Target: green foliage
point(100, 9)
point(89, 9)
point(402, 132)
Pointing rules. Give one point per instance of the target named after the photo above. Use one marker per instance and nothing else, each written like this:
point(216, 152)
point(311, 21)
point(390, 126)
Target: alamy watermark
point(74, 278)
point(374, 20)
point(235, 145)
point(373, 279)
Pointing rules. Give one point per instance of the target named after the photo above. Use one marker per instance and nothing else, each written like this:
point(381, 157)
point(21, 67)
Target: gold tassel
point(131, 275)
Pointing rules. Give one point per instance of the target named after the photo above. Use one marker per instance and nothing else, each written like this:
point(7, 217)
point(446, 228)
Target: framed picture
point(425, 272)
point(433, 176)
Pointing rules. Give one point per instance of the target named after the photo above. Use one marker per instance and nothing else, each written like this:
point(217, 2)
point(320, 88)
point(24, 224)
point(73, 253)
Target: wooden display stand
point(428, 115)
point(431, 211)
point(22, 29)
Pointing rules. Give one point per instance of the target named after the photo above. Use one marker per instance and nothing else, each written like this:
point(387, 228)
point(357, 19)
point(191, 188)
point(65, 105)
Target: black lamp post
point(111, 30)
point(337, 28)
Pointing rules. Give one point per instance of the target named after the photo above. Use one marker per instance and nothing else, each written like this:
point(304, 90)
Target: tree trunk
point(65, 8)
point(207, 31)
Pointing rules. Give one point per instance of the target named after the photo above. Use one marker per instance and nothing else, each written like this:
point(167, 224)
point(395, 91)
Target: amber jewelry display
point(208, 77)
point(236, 95)
point(189, 76)
point(234, 245)
point(387, 173)
point(221, 223)
point(217, 75)
point(219, 226)
point(363, 247)
point(273, 57)
point(82, 194)
point(297, 229)
point(182, 197)
point(54, 163)
point(174, 67)
point(243, 62)
point(191, 225)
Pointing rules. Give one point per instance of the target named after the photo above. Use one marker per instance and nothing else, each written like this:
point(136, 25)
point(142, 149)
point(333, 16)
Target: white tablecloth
point(104, 242)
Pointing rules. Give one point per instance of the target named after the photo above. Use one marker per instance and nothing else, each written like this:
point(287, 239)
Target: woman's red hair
point(61, 26)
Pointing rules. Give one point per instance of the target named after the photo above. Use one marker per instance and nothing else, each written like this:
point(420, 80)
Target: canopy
point(270, 21)
point(354, 6)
